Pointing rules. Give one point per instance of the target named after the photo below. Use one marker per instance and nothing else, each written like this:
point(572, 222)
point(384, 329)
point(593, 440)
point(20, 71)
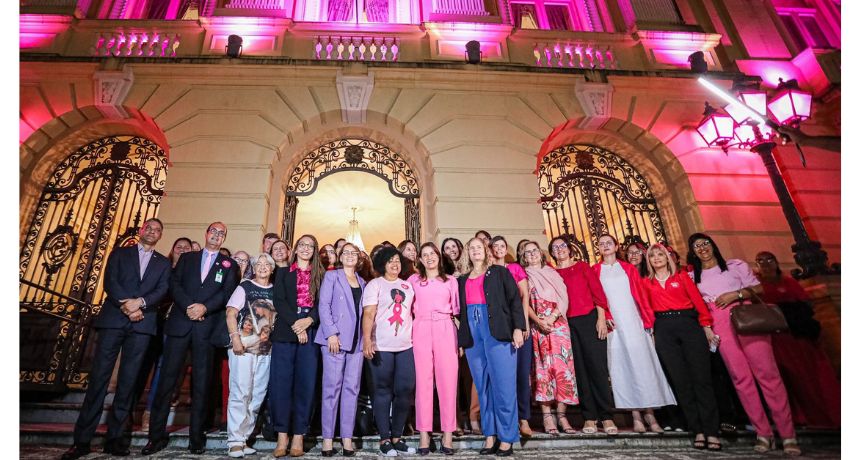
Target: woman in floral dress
point(553, 367)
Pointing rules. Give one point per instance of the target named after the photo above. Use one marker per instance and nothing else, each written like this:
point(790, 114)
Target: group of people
point(635, 331)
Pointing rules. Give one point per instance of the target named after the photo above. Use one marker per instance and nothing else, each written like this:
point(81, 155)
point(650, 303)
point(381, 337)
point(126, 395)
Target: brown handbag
point(758, 318)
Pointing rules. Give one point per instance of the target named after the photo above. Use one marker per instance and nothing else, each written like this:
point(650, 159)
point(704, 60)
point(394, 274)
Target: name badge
point(219, 276)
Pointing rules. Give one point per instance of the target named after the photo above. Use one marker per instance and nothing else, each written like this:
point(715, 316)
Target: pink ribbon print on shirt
point(398, 296)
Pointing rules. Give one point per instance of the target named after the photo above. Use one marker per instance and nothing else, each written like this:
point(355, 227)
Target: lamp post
point(751, 129)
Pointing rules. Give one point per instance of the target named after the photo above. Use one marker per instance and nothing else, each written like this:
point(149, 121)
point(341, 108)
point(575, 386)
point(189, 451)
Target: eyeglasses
point(304, 246)
point(241, 261)
point(634, 253)
point(261, 264)
point(702, 244)
point(605, 244)
point(349, 253)
point(531, 252)
point(558, 247)
point(218, 232)
point(763, 261)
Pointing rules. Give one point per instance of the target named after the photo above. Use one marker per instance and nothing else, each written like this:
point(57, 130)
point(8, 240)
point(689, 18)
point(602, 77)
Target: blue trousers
point(525, 356)
point(292, 384)
point(493, 365)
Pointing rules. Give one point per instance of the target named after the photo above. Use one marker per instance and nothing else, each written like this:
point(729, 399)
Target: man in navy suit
point(136, 281)
point(201, 284)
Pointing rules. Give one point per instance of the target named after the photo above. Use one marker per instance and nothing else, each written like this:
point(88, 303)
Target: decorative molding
point(354, 92)
point(110, 90)
point(596, 102)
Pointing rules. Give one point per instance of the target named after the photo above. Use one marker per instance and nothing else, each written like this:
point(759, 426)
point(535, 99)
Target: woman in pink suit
point(340, 316)
point(434, 344)
point(724, 285)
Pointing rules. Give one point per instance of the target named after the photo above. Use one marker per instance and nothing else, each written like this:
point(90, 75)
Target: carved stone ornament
point(111, 88)
point(354, 94)
point(596, 102)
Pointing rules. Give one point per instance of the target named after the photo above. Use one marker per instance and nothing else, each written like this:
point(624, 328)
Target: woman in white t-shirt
point(249, 315)
point(387, 343)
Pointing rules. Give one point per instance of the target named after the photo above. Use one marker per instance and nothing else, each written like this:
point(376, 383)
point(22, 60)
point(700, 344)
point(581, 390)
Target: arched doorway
point(586, 191)
point(95, 200)
point(353, 154)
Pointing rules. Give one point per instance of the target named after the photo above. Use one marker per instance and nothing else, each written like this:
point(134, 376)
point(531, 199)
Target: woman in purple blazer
point(340, 313)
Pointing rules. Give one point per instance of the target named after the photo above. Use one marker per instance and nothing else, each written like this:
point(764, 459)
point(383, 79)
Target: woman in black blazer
point(295, 358)
point(491, 329)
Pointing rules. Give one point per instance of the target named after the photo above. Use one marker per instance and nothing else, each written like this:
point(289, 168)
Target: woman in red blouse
point(812, 386)
point(682, 332)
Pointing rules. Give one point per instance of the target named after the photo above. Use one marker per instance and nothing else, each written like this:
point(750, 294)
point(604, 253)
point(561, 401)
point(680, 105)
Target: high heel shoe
point(549, 428)
point(327, 453)
point(505, 453)
point(638, 426)
point(490, 450)
point(447, 450)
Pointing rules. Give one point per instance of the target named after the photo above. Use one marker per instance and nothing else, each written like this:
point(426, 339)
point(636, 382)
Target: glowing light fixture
point(791, 105)
point(354, 235)
point(716, 128)
point(731, 100)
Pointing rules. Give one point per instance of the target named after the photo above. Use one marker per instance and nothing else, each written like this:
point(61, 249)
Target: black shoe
point(328, 453)
point(115, 448)
point(348, 453)
point(490, 450)
point(402, 448)
point(423, 451)
point(152, 447)
point(505, 453)
point(197, 450)
point(447, 450)
point(76, 451)
point(387, 449)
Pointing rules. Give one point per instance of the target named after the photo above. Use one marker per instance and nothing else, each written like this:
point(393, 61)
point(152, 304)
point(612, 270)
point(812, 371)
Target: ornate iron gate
point(587, 191)
point(94, 200)
point(354, 155)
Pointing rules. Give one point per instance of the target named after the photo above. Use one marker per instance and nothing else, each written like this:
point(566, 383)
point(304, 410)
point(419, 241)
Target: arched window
point(587, 191)
point(359, 11)
point(95, 200)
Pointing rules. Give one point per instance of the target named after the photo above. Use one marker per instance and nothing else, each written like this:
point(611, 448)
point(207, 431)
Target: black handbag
point(801, 320)
point(758, 318)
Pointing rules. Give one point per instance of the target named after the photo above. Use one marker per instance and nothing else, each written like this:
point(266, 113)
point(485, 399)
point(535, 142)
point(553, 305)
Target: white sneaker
point(236, 452)
point(249, 450)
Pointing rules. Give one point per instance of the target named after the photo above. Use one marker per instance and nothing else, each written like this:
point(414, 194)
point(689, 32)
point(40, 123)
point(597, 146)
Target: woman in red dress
point(812, 386)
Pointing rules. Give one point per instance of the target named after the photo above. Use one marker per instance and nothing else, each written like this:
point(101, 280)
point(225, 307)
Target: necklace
point(661, 280)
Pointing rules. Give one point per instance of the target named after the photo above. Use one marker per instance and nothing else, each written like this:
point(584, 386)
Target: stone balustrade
point(356, 48)
point(136, 44)
point(460, 7)
point(256, 4)
point(581, 55)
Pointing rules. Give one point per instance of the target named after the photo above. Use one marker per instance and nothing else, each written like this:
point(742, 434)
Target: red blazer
point(637, 288)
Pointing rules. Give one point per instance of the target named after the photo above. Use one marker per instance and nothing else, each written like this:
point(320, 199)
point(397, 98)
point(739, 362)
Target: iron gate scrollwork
point(93, 201)
point(354, 155)
point(587, 191)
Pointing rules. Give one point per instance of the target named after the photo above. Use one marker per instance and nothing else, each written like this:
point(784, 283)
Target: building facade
point(575, 116)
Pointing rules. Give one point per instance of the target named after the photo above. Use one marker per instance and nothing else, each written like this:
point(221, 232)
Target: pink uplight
point(791, 105)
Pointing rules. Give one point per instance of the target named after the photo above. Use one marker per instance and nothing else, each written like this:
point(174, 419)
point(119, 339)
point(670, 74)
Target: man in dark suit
point(201, 284)
point(136, 280)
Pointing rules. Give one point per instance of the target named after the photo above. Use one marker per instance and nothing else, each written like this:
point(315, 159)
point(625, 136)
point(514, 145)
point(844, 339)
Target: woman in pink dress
point(554, 377)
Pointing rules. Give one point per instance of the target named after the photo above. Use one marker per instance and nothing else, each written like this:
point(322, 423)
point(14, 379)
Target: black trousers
point(293, 384)
point(201, 372)
point(683, 349)
point(393, 382)
point(592, 367)
point(525, 355)
point(108, 345)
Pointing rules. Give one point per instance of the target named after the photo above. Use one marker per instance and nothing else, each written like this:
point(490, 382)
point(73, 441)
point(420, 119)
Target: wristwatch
point(740, 294)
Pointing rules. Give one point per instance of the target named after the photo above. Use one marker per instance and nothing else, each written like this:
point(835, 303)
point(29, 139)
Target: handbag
point(758, 318)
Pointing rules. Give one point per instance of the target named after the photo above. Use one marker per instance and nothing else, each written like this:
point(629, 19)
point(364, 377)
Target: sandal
point(550, 429)
point(790, 447)
point(611, 430)
point(714, 445)
point(590, 427)
point(699, 443)
point(763, 444)
point(525, 429)
point(652, 424)
point(638, 426)
point(565, 425)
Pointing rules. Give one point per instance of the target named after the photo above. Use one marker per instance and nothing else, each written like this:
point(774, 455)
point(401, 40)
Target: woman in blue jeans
point(491, 330)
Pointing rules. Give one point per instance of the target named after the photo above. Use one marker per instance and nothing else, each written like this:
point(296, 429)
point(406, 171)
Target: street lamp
point(751, 129)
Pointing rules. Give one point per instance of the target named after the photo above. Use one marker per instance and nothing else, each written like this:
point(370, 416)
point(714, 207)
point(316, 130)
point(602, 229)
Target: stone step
point(61, 434)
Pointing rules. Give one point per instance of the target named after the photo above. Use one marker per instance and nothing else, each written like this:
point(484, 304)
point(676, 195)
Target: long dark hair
point(693, 259)
point(181, 238)
point(643, 264)
point(422, 270)
point(449, 264)
point(317, 270)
